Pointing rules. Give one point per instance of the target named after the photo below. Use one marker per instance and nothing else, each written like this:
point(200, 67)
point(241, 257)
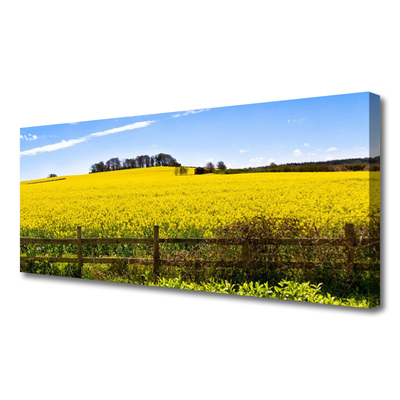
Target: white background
point(84, 60)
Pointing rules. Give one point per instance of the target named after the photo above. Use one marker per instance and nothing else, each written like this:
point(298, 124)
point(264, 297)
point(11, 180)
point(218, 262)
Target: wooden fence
point(349, 240)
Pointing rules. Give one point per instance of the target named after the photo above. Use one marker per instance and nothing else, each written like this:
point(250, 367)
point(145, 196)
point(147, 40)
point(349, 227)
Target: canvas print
point(277, 200)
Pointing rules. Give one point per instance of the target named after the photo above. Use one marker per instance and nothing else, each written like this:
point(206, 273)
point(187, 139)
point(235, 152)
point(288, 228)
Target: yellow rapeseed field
point(128, 203)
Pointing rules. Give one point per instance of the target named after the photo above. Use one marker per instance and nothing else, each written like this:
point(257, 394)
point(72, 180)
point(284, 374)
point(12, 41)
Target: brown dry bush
point(269, 261)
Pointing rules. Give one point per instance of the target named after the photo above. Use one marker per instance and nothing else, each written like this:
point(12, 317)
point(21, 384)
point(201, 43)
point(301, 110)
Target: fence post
point(156, 249)
point(79, 244)
point(350, 238)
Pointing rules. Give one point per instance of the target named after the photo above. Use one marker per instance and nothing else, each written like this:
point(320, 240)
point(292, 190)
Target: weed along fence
point(350, 241)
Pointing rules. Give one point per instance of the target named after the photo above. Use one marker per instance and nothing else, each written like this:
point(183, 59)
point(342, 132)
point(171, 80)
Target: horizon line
point(189, 166)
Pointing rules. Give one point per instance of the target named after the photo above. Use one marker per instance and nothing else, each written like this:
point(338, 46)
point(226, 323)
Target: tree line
point(166, 160)
point(349, 164)
point(143, 161)
point(210, 168)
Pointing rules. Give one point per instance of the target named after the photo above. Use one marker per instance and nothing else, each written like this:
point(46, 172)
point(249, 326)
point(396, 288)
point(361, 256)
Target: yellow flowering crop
point(128, 203)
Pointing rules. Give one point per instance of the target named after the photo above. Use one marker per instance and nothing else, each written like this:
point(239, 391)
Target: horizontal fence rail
point(288, 242)
point(350, 241)
point(300, 241)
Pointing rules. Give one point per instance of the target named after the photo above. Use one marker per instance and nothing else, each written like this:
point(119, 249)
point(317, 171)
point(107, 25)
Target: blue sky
point(314, 129)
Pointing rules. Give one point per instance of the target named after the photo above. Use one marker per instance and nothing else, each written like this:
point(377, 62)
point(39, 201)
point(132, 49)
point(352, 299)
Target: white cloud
point(332, 149)
point(270, 160)
point(53, 147)
point(28, 137)
point(295, 120)
point(189, 112)
point(256, 162)
point(68, 143)
point(306, 145)
point(136, 125)
point(297, 153)
point(243, 151)
point(232, 164)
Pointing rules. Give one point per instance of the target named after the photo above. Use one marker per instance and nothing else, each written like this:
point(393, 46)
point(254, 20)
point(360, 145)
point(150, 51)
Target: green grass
point(288, 285)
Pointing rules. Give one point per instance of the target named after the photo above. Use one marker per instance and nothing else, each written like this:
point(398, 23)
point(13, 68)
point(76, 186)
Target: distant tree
point(163, 160)
point(157, 160)
point(116, 163)
point(172, 161)
point(113, 164)
point(181, 170)
point(141, 161)
point(129, 163)
point(221, 165)
point(200, 171)
point(52, 176)
point(210, 166)
point(98, 167)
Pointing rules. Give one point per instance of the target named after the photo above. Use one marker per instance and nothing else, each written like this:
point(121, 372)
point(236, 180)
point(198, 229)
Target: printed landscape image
point(278, 200)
